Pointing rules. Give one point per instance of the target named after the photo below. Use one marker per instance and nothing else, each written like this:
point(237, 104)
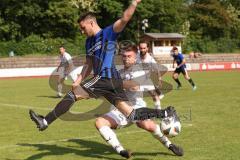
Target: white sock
point(59, 88)
point(157, 104)
point(111, 138)
point(45, 122)
point(161, 137)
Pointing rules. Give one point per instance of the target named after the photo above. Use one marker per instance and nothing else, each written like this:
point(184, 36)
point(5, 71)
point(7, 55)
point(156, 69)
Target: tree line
point(40, 26)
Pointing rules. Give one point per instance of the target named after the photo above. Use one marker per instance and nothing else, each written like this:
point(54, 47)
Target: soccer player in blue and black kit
point(106, 82)
point(181, 68)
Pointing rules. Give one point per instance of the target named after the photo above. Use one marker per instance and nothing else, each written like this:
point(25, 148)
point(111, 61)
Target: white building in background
point(162, 43)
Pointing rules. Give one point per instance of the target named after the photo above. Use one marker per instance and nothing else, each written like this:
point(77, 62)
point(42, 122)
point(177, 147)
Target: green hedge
point(206, 45)
point(35, 44)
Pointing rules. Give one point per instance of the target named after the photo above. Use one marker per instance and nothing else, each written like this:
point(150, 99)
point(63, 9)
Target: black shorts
point(110, 88)
point(181, 70)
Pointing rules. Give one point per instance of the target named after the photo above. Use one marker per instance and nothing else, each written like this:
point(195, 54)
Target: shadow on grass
point(55, 97)
point(87, 148)
point(138, 154)
point(154, 155)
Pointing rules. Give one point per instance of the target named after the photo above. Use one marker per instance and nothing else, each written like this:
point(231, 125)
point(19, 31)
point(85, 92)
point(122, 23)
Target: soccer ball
point(170, 126)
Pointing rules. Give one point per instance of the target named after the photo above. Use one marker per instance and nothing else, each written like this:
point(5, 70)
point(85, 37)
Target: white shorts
point(147, 85)
point(120, 118)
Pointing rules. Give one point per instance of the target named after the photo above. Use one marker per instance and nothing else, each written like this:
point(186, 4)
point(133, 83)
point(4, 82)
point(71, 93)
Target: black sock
point(62, 107)
point(191, 82)
point(146, 113)
point(178, 82)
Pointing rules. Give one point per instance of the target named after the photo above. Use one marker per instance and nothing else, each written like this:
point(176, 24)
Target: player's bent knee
point(105, 121)
point(99, 122)
point(174, 76)
point(187, 77)
point(147, 125)
point(124, 107)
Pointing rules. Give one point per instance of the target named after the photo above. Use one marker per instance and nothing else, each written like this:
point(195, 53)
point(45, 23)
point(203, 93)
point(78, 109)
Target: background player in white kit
point(152, 70)
point(132, 76)
point(65, 69)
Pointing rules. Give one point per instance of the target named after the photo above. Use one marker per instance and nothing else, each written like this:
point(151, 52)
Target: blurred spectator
point(194, 54)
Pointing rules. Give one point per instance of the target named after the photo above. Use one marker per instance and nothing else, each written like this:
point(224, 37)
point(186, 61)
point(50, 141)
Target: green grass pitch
point(210, 119)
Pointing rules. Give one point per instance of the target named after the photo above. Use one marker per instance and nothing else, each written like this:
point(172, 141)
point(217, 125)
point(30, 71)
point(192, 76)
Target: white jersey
point(65, 59)
point(148, 62)
point(66, 62)
point(150, 67)
point(147, 59)
point(136, 74)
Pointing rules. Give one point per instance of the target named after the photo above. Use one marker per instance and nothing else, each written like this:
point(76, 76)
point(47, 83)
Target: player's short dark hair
point(144, 41)
point(174, 48)
point(87, 15)
point(131, 47)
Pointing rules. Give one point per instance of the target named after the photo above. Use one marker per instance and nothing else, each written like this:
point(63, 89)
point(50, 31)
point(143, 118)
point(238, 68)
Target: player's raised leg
point(143, 113)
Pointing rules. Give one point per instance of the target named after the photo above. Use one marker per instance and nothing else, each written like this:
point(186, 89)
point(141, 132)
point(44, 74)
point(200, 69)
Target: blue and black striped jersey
point(101, 48)
point(179, 58)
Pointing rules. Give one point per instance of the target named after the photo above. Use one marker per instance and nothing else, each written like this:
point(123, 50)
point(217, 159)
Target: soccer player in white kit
point(151, 67)
point(65, 69)
point(132, 76)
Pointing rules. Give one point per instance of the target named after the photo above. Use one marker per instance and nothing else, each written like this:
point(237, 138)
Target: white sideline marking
point(29, 107)
point(23, 106)
point(49, 109)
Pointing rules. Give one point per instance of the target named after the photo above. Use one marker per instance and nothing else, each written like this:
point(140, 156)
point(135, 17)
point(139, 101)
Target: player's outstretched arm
point(119, 25)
